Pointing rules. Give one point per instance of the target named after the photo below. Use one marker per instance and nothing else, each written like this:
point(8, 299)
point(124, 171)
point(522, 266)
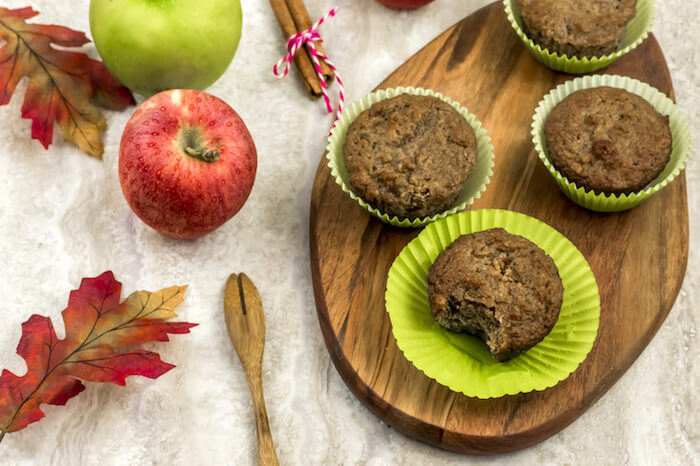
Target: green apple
point(155, 45)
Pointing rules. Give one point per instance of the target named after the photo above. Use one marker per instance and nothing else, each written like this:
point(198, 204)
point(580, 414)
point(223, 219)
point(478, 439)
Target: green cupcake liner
point(602, 202)
point(637, 31)
point(473, 186)
point(461, 361)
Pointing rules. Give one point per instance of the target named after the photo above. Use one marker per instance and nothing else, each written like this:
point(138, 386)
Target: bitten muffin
point(580, 28)
point(409, 156)
point(608, 140)
point(498, 286)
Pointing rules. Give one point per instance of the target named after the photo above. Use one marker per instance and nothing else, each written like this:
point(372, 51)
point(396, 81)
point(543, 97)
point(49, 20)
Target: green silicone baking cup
point(473, 186)
point(602, 202)
point(637, 30)
point(461, 361)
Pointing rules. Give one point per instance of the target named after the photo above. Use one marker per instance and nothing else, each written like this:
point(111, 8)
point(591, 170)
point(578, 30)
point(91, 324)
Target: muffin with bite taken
point(498, 286)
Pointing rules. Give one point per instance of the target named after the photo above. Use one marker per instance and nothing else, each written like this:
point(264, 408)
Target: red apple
point(404, 4)
point(186, 163)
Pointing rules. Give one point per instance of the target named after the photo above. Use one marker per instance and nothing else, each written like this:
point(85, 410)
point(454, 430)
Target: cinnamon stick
point(303, 22)
point(301, 60)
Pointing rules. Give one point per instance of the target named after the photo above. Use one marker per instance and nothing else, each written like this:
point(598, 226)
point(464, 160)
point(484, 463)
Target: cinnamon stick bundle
point(293, 17)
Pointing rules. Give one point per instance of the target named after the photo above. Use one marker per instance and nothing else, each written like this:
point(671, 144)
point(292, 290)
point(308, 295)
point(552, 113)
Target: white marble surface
point(62, 217)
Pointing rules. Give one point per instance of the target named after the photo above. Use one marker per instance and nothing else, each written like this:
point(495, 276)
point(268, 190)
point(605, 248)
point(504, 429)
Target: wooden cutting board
point(639, 257)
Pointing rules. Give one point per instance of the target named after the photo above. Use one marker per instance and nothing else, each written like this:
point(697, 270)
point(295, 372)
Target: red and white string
point(308, 37)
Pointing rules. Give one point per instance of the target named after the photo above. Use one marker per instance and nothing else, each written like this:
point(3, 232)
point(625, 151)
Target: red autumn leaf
point(101, 345)
point(64, 87)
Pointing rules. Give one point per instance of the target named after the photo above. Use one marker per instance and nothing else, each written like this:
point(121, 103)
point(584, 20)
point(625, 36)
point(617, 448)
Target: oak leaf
point(63, 86)
point(101, 345)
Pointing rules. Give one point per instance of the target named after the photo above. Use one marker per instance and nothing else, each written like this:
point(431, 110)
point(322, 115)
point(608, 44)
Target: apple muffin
point(608, 140)
point(409, 156)
point(498, 286)
point(577, 28)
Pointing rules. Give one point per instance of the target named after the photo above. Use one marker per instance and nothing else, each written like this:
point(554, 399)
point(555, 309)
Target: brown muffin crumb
point(608, 140)
point(498, 286)
point(409, 156)
point(580, 28)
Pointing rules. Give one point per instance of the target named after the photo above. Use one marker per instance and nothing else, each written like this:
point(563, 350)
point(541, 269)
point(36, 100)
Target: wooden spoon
point(245, 322)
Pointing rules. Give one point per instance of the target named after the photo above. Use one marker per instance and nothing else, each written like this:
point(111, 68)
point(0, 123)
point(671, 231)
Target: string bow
point(308, 37)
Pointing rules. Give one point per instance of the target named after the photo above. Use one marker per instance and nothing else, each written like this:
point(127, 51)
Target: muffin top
point(583, 28)
point(499, 286)
point(409, 156)
point(608, 140)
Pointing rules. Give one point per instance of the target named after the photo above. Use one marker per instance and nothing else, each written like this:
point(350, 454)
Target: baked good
point(580, 28)
point(498, 286)
point(409, 156)
point(608, 140)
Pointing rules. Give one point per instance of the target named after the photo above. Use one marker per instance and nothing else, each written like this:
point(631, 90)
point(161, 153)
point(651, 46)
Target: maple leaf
point(64, 87)
point(101, 345)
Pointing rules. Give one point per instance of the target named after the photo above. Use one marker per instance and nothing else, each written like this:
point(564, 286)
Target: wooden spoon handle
point(266, 448)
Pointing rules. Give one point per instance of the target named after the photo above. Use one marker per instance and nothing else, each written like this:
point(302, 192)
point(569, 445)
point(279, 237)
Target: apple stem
point(208, 156)
point(190, 141)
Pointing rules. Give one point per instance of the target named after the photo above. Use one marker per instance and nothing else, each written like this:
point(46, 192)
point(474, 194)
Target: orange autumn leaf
point(101, 345)
point(63, 87)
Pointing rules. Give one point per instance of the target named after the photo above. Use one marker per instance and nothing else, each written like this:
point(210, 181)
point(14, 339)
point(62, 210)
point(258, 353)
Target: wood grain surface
point(639, 257)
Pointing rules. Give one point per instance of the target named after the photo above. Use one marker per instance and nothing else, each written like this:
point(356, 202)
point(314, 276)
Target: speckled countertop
point(62, 217)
